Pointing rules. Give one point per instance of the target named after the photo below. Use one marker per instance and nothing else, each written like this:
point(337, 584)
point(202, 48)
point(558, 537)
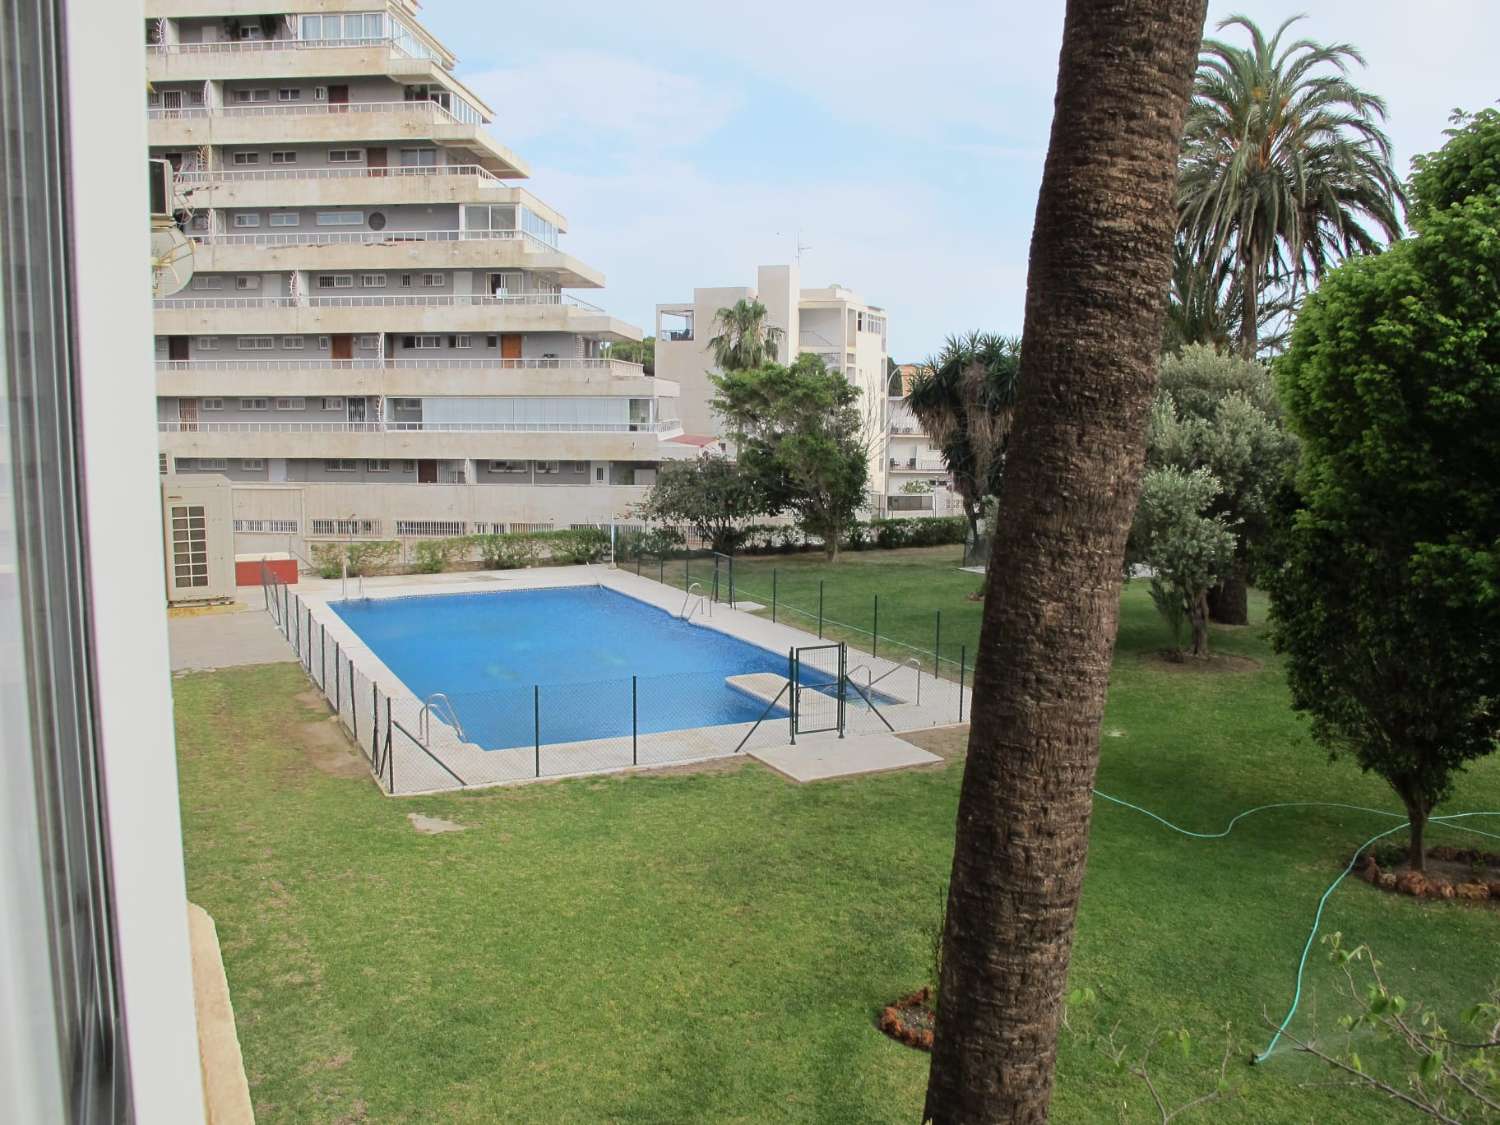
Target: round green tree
point(1386, 598)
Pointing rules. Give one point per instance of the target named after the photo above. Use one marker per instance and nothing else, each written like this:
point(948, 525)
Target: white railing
point(433, 111)
point(368, 238)
point(416, 427)
point(225, 302)
point(361, 172)
point(449, 301)
point(918, 465)
point(267, 45)
point(616, 366)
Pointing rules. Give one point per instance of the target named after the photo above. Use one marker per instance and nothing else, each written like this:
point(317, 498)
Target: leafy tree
point(1285, 167)
point(1187, 548)
point(714, 496)
point(801, 437)
point(965, 398)
point(1220, 413)
point(635, 351)
point(744, 340)
point(1386, 598)
point(1101, 256)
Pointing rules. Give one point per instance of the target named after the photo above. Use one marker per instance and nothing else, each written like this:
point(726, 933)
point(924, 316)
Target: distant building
point(918, 482)
point(832, 322)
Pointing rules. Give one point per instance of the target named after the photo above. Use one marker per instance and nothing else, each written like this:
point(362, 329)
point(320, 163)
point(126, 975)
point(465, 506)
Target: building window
point(247, 220)
point(289, 94)
point(291, 404)
point(208, 343)
point(246, 282)
point(208, 281)
point(292, 343)
point(599, 474)
point(368, 343)
point(346, 155)
point(341, 218)
point(242, 159)
point(213, 404)
point(433, 280)
point(255, 343)
point(252, 464)
point(461, 342)
point(341, 465)
point(285, 219)
point(418, 157)
point(335, 281)
point(372, 280)
point(323, 343)
point(333, 404)
point(253, 404)
point(378, 466)
point(245, 97)
point(285, 157)
point(212, 464)
point(508, 466)
point(421, 342)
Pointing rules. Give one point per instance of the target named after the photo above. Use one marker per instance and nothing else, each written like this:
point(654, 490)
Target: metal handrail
point(685, 613)
point(909, 662)
point(423, 716)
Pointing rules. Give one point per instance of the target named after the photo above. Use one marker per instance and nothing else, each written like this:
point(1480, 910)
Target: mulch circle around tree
point(910, 1020)
point(1452, 873)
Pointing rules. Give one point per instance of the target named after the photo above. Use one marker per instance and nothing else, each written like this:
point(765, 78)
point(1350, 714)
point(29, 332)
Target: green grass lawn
point(716, 946)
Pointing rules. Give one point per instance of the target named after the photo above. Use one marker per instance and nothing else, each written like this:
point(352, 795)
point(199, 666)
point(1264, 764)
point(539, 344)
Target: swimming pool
point(565, 655)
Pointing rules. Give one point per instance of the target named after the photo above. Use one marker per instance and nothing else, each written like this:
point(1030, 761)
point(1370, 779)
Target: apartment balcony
point(356, 186)
point(928, 465)
point(635, 441)
point(350, 123)
point(335, 250)
point(408, 378)
point(290, 59)
point(415, 314)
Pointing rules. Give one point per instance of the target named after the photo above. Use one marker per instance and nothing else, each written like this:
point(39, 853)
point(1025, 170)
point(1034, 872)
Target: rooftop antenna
point(801, 246)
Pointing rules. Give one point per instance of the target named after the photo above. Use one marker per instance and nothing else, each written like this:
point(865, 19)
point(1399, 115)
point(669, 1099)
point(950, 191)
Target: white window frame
point(293, 343)
point(433, 280)
point(208, 281)
point(289, 94)
point(254, 343)
point(372, 280)
point(251, 404)
point(242, 159)
point(212, 464)
point(340, 219)
point(426, 343)
point(207, 343)
point(252, 464)
point(251, 96)
point(346, 156)
point(462, 342)
point(378, 465)
point(247, 281)
point(509, 467)
point(320, 93)
point(324, 343)
point(247, 219)
point(341, 464)
point(291, 402)
point(367, 343)
point(335, 281)
point(211, 403)
point(333, 403)
point(285, 219)
point(284, 156)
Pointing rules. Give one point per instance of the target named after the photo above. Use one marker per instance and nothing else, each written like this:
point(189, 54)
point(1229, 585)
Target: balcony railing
point(257, 45)
point(367, 238)
point(447, 300)
point(918, 465)
point(424, 108)
point(614, 366)
point(361, 172)
point(418, 427)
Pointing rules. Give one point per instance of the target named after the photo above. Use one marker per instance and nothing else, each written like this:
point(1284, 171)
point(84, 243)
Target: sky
point(899, 145)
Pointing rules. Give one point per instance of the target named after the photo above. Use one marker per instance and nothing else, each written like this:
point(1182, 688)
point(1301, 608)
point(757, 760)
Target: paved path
point(822, 756)
point(225, 640)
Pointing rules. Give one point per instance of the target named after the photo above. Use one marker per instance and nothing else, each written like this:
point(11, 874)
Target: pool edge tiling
point(477, 767)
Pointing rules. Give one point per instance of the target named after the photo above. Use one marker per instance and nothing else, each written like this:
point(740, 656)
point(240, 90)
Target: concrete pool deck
point(333, 645)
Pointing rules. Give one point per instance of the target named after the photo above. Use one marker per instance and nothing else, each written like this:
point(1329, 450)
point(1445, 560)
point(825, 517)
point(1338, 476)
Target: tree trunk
point(1095, 305)
point(1229, 601)
point(1250, 315)
point(1417, 811)
point(1198, 617)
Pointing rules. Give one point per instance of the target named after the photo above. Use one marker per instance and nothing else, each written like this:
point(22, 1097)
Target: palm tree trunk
point(1249, 326)
point(1100, 260)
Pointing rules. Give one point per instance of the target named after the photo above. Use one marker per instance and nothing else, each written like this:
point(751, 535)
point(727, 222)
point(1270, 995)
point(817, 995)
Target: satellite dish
point(171, 260)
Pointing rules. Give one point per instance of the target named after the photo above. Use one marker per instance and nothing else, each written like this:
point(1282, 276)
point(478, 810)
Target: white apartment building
point(378, 338)
point(832, 322)
point(917, 479)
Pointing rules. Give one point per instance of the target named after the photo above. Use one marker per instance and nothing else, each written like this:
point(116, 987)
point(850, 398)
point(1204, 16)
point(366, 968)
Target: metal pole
point(536, 718)
point(323, 655)
point(353, 708)
point(843, 679)
point(375, 721)
point(634, 725)
point(875, 629)
point(963, 658)
point(820, 609)
point(791, 679)
point(338, 678)
point(661, 570)
point(937, 641)
point(390, 752)
point(731, 581)
point(773, 595)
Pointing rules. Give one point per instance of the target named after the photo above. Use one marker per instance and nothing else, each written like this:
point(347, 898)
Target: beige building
point(379, 337)
point(917, 479)
point(832, 322)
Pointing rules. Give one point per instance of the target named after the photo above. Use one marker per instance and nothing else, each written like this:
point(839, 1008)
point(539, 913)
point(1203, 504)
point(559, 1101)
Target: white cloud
point(603, 100)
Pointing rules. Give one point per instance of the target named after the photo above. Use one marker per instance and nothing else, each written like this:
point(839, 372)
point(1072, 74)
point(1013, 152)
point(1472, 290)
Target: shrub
point(363, 558)
point(857, 537)
point(433, 556)
point(578, 545)
point(509, 552)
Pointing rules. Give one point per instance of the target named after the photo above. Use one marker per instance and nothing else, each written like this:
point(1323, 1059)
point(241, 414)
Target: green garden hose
point(1318, 914)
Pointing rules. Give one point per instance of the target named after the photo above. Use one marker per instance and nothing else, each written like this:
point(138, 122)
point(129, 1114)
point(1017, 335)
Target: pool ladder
point(909, 662)
point(701, 603)
point(430, 706)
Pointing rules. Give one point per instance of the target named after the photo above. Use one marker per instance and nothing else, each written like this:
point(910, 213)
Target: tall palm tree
point(1285, 166)
point(1101, 255)
point(744, 339)
point(1206, 301)
point(965, 398)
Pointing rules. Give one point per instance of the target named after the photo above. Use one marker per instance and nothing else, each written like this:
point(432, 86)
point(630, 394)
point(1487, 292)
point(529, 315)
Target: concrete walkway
point(240, 635)
point(819, 757)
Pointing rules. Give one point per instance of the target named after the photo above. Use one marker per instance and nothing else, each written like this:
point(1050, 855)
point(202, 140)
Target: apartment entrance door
point(427, 472)
point(375, 161)
point(177, 348)
point(355, 409)
point(171, 102)
point(338, 99)
point(343, 346)
point(187, 413)
point(510, 345)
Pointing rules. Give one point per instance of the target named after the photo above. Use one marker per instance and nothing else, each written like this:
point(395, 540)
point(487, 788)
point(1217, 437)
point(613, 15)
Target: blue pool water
point(578, 646)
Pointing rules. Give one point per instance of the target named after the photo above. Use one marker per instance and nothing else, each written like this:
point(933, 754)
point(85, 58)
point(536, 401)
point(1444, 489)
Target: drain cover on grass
point(433, 825)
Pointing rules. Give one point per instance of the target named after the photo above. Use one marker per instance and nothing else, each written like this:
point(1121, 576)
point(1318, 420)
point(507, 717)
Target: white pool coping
point(480, 767)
